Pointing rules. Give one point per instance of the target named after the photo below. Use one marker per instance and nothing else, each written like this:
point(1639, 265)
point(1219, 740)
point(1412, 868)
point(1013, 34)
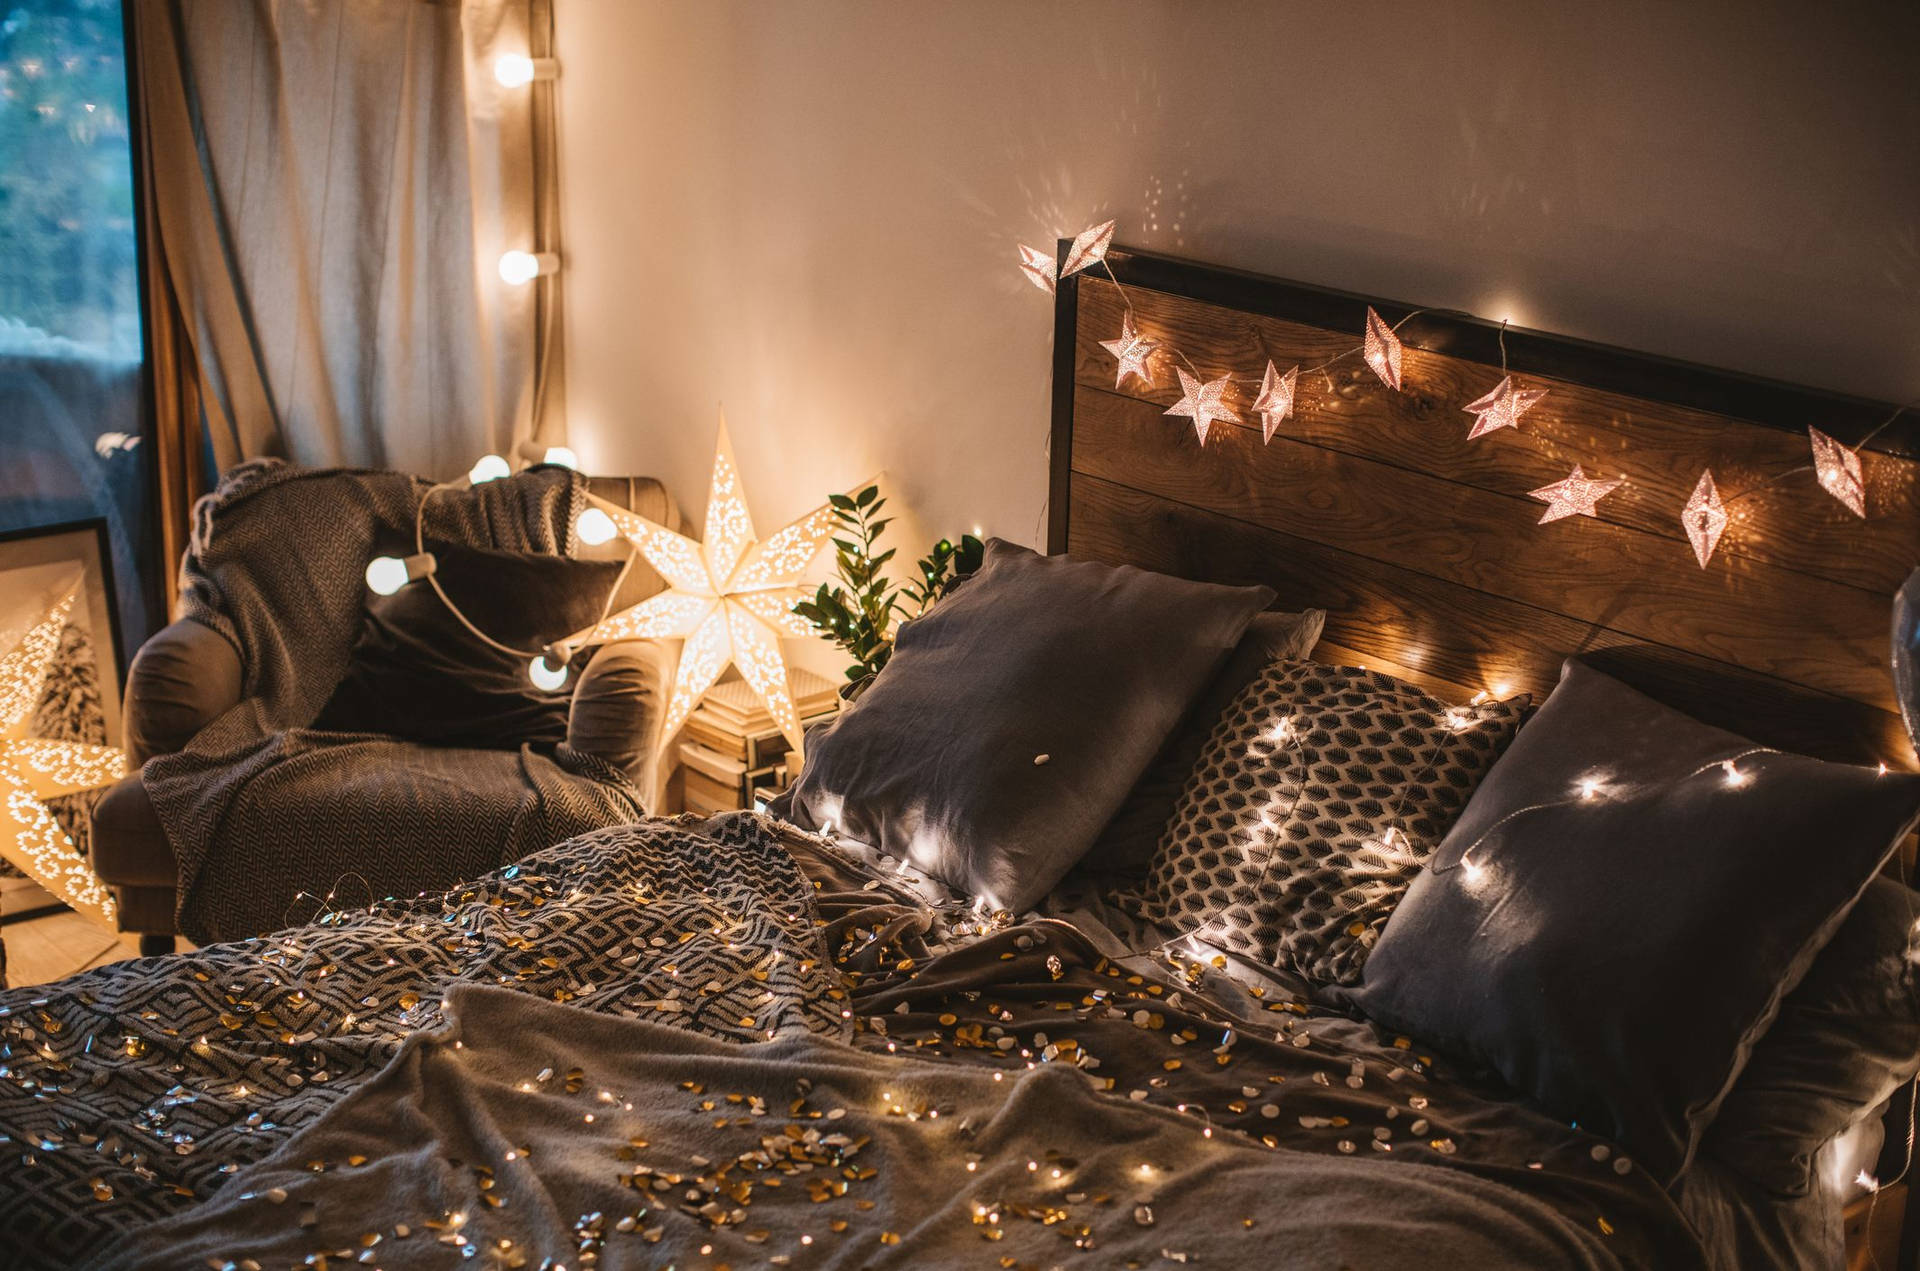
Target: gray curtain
point(332, 184)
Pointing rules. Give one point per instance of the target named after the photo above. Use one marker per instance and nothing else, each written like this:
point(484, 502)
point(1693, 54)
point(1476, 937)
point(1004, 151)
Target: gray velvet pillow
point(1125, 846)
point(1014, 717)
point(1614, 919)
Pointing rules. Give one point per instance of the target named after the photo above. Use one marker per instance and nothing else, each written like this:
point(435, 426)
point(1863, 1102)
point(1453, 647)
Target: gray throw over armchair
point(189, 674)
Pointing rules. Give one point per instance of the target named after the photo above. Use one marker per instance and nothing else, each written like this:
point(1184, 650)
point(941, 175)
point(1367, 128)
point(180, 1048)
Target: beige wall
point(808, 210)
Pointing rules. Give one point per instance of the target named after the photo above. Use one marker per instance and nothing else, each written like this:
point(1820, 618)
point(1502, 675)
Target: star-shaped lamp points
point(1133, 350)
point(1502, 407)
point(1576, 496)
point(1275, 402)
point(730, 598)
point(33, 770)
point(1203, 402)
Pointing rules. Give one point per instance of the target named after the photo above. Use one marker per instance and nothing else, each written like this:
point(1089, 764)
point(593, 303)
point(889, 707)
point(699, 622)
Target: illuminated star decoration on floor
point(1577, 495)
point(1088, 250)
point(33, 770)
point(1382, 350)
point(1275, 402)
point(1133, 350)
point(1705, 518)
point(1038, 266)
point(1838, 468)
point(1203, 402)
point(1502, 407)
point(730, 598)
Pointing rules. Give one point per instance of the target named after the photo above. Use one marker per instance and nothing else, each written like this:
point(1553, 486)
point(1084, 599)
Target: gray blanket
point(534, 1135)
point(258, 808)
point(135, 1091)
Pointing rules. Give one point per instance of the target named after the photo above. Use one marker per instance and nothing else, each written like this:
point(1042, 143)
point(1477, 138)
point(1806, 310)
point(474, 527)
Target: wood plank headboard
point(1425, 549)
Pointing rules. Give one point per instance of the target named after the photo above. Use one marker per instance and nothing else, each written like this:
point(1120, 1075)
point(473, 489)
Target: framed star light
point(54, 685)
point(729, 599)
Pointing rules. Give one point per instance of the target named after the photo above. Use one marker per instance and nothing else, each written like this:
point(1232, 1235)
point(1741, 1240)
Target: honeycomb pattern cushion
point(1320, 794)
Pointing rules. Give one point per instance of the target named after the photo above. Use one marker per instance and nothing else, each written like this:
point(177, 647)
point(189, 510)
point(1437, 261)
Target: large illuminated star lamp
point(730, 598)
point(33, 770)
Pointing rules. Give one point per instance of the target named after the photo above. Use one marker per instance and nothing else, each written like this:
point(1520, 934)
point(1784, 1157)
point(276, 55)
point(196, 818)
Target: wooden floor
point(55, 946)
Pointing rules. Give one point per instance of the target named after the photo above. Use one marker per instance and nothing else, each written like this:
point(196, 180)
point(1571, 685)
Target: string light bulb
point(1275, 402)
point(517, 268)
point(1578, 495)
point(1381, 350)
point(1704, 518)
point(563, 456)
point(1838, 468)
point(595, 527)
point(1203, 402)
point(1089, 249)
point(1502, 407)
point(545, 676)
point(488, 468)
point(1039, 267)
point(517, 70)
point(1133, 351)
point(388, 574)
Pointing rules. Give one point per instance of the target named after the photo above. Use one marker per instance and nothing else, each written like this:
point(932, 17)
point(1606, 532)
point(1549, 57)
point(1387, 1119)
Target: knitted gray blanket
point(259, 808)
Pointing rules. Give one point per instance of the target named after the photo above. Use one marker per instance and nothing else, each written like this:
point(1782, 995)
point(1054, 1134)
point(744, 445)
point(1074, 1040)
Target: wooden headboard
point(1424, 548)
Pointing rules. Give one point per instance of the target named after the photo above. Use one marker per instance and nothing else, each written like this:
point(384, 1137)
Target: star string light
point(1203, 402)
point(1038, 266)
point(1838, 468)
point(1382, 350)
point(1089, 249)
point(33, 770)
point(1502, 407)
point(1704, 518)
point(1575, 496)
point(1275, 402)
point(1133, 350)
point(730, 598)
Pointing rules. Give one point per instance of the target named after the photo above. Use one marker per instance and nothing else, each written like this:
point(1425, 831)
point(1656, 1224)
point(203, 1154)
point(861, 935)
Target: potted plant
point(860, 609)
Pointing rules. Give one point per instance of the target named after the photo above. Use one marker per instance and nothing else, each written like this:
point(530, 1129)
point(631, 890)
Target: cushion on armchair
point(419, 674)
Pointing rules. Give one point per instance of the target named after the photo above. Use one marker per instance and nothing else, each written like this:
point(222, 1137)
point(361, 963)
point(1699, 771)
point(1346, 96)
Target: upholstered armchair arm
point(184, 677)
point(618, 707)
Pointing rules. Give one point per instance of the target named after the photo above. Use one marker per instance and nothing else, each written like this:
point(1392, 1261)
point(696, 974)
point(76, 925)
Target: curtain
point(329, 187)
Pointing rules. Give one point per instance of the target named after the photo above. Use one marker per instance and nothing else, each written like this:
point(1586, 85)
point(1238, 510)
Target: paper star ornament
point(1502, 407)
point(33, 770)
point(1275, 402)
point(1576, 496)
point(1382, 350)
point(1203, 402)
point(1133, 350)
point(1038, 266)
point(730, 598)
point(1088, 250)
point(1838, 468)
point(1705, 518)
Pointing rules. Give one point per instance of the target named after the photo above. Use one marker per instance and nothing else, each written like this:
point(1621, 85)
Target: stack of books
point(731, 755)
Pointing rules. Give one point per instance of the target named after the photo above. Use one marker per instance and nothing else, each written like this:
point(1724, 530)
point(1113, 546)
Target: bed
point(736, 1043)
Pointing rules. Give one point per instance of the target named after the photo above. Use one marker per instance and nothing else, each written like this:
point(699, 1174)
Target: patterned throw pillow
point(1319, 796)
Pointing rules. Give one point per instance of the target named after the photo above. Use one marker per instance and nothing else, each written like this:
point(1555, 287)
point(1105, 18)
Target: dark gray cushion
point(419, 674)
point(1615, 950)
point(1089, 665)
point(1125, 846)
point(1844, 1041)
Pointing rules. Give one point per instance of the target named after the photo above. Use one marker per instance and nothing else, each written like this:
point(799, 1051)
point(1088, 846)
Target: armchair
point(189, 675)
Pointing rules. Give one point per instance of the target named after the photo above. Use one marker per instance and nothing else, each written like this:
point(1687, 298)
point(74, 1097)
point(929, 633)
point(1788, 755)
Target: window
point(71, 360)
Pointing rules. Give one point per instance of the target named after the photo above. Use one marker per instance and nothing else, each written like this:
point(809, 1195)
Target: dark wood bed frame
point(1424, 548)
